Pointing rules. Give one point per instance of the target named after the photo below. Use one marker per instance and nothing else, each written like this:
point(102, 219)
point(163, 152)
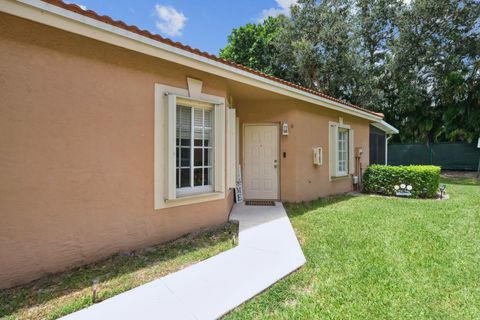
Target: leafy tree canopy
point(418, 63)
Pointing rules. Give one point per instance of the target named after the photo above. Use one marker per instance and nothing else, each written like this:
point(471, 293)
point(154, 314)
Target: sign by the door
point(238, 186)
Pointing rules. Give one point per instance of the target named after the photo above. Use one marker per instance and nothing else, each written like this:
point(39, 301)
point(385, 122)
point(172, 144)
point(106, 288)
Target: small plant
point(383, 179)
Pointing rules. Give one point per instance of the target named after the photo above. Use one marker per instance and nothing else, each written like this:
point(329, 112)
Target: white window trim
point(165, 192)
point(342, 173)
point(191, 191)
point(333, 150)
point(231, 148)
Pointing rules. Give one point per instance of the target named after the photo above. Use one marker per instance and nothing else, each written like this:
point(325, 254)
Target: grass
point(373, 257)
point(57, 295)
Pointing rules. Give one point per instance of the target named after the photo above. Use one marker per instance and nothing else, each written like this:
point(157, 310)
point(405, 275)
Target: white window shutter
point(351, 152)
point(170, 143)
point(231, 148)
point(219, 148)
point(332, 150)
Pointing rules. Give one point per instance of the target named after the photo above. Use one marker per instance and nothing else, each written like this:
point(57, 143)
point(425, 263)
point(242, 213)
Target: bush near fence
point(382, 179)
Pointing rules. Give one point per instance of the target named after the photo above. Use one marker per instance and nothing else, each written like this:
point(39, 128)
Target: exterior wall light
point(442, 190)
point(284, 129)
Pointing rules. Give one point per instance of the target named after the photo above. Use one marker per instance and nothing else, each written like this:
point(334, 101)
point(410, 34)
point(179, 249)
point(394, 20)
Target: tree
point(375, 25)
point(434, 71)
point(416, 62)
point(324, 44)
point(253, 45)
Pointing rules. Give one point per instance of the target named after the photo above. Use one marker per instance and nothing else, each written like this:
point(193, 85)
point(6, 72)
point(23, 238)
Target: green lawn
point(54, 296)
point(382, 258)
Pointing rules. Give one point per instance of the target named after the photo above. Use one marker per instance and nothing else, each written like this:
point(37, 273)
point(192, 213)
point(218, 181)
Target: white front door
point(261, 161)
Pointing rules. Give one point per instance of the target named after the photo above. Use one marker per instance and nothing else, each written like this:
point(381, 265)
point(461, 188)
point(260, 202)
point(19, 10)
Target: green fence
point(450, 156)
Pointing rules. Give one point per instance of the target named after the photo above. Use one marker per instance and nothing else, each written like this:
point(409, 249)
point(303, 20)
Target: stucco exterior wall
point(300, 179)
point(273, 111)
point(77, 150)
point(313, 125)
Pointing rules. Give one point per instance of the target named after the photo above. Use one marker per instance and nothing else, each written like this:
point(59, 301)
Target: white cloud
point(84, 8)
point(283, 7)
point(170, 21)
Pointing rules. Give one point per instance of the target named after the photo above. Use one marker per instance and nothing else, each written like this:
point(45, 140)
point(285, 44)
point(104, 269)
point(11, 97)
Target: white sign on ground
point(238, 186)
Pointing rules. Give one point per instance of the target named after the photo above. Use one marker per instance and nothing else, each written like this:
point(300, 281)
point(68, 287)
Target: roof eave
point(386, 127)
point(73, 22)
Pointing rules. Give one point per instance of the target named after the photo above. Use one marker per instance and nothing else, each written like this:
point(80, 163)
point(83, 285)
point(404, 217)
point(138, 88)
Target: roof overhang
point(386, 127)
point(70, 21)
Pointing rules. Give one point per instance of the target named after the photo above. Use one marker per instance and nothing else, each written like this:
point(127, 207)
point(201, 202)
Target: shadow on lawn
point(300, 208)
point(64, 283)
point(466, 180)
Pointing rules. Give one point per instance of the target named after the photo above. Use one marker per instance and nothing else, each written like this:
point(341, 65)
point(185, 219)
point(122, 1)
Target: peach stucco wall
point(76, 151)
point(300, 179)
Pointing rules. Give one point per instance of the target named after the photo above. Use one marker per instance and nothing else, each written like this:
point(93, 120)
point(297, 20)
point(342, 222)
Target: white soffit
point(386, 127)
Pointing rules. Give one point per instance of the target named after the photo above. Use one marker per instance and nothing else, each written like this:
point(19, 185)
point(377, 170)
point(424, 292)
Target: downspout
point(388, 136)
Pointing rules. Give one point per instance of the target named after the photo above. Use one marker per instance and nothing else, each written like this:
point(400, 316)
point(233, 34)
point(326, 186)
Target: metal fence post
point(430, 145)
point(478, 170)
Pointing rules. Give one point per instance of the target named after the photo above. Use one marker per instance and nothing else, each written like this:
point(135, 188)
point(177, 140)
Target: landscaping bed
point(59, 294)
point(411, 181)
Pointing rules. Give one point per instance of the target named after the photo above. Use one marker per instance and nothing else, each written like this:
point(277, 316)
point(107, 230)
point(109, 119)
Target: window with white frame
point(189, 155)
point(341, 150)
point(194, 148)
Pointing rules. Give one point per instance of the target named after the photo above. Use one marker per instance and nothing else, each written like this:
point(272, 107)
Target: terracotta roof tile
point(122, 25)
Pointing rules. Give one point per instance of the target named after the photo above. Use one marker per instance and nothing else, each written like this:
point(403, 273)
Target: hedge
point(382, 179)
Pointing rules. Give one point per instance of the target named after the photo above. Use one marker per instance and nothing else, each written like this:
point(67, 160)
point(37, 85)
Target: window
point(341, 158)
point(194, 149)
point(189, 146)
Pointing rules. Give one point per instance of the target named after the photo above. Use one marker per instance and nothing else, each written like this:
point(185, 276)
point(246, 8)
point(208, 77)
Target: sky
point(200, 24)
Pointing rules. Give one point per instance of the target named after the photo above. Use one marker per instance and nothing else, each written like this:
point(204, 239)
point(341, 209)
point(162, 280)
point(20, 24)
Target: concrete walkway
point(268, 250)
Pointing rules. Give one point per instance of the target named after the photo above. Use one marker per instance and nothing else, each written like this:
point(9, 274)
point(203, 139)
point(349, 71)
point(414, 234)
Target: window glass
point(184, 127)
point(197, 157)
point(207, 175)
point(342, 140)
point(194, 159)
point(184, 178)
point(198, 177)
point(207, 156)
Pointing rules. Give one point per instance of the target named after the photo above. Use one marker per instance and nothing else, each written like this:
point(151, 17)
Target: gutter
point(386, 147)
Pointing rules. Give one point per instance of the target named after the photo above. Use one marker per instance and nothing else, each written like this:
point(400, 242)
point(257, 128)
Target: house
point(113, 138)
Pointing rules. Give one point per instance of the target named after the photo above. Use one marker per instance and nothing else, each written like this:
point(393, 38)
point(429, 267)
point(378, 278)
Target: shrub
point(382, 179)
